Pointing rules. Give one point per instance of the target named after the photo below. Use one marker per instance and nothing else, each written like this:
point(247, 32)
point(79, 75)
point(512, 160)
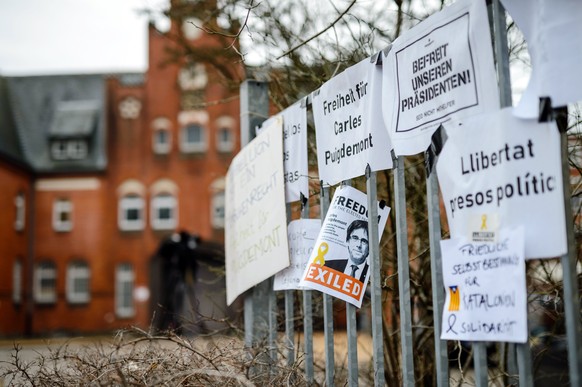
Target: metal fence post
point(375, 279)
point(327, 306)
point(289, 315)
point(403, 275)
point(438, 297)
point(307, 312)
point(254, 110)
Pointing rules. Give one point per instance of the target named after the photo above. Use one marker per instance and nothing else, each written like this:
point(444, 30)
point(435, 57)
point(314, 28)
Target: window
point(124, 279)
point(224, 140)
point(78, 276)
point(164, 214)
point(193, 138)
point(45, 282)
point(17, 282)
point(217, 208)
point(130, 215)
point(77, 149)
point(69, 149)
point(20, 204)
point(63, 215)
point(162, 138)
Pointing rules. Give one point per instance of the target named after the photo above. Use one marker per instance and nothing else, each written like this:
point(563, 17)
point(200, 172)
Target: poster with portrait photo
point(339, 263)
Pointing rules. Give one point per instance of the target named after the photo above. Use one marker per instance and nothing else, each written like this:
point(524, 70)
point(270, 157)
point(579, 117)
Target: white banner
point(553, 32)
point(301, 234)
point(339, 263)
point(441, 68)
point(496, 170)
point(256, 220)
point(295, 152)
point(349, 129)
point(485, 289)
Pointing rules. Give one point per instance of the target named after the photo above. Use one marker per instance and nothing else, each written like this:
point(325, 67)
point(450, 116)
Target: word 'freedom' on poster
point(339, 263)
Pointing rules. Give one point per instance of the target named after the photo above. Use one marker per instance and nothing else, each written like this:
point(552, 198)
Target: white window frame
point(124, 285)
point(20, 204)
point(45, 271)
point(17, 282)
point(162, 148)
point(127, 203)
point(160, 202)
point(62, 206)
point(59, 150)
point(217, 209)
point(193, 146)
point(77, 149)
point(223, 145)
point(77, 272)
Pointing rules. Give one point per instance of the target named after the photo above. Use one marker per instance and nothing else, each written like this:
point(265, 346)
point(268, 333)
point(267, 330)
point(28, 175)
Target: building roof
point(51, 107)
point(10, 145)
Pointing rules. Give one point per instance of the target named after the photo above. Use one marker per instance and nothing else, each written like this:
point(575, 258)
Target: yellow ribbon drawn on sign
point(455, 299)
point(321, 251)
point(483, 222)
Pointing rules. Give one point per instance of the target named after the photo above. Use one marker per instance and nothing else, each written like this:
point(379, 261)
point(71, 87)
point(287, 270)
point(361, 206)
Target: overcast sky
point(73, 36)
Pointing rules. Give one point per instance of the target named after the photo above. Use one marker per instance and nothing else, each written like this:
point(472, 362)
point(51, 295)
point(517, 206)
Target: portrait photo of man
point(358, 248)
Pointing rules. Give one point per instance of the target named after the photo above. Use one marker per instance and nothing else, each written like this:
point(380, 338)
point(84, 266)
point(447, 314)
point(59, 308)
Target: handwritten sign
point(339, 263)
point(256, 222)
point(441, 68)
point(496, 171)
point(349, 129)
point(301, 234)
point(485, 289)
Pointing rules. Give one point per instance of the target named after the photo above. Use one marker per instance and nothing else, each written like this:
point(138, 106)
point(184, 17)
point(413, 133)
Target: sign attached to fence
point(441, 68)
point(301, 234)
point(349, 129)
point(256, 220)
point(485, 289)
point(294, 150)
point(496, 170)
point(552, 30)
point(339, 263)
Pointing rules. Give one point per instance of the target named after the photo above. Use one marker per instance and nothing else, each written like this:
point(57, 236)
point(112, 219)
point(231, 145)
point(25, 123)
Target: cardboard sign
point(552, 30)
point(496, 171)
point(301, 234)
point(486, 296)
point(256, 220)
point(349, 129)
point(439, 69)
point(295, 152)
point(339, 263)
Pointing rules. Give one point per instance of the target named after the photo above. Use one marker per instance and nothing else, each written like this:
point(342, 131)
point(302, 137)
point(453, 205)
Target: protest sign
point(441, 68)
point(552, 30)
point(496, 170)
point(301, 234)
point(485, 289)
point(256, 220)
point(349, 129)
point(339, 263)
point(294, 150)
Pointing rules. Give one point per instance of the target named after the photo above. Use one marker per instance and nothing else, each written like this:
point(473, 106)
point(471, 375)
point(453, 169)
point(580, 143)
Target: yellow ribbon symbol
point(321, 251)
point(484, 222)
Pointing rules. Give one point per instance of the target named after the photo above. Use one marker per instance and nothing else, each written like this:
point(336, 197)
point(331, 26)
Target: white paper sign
point(552, 30)
point(496, 170)
point(485, 289)
point(339, 263)
point(256, 220)
point(349, 129)
point(441, 68)
point(295, 152)
point(301, 234)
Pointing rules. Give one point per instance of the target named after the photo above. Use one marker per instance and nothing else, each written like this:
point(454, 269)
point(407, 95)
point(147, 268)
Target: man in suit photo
point(358, 249)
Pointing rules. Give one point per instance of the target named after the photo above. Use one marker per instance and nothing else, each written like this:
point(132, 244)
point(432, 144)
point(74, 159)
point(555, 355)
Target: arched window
point(193, 133)
point(124, 282)
point(164, 212)
point(217, 212)
point(45, 282)
point(161, 136)
point(130, 214)
point(225, 134)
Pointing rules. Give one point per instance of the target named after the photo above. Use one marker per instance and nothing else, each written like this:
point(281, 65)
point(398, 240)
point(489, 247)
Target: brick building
point(99, 171)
